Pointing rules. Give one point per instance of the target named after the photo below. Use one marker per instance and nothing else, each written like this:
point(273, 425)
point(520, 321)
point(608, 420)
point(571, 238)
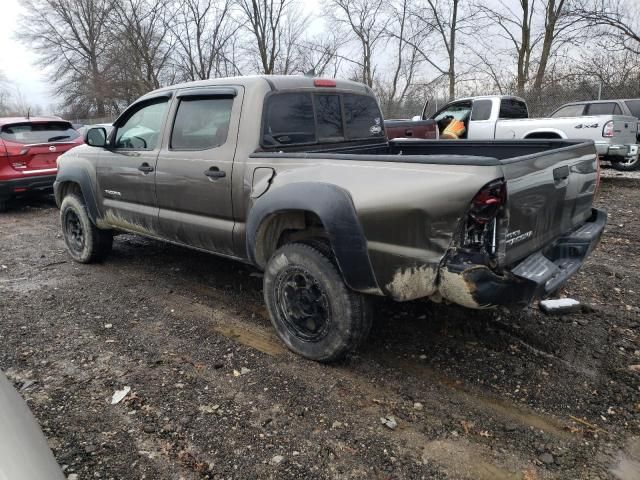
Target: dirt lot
point(475, 395)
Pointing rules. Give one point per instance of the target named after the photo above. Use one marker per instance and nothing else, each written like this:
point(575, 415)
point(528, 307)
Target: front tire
point(85, 242)
point(314, 313)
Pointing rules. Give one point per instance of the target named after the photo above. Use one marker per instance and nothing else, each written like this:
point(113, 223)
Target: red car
point(29, 148)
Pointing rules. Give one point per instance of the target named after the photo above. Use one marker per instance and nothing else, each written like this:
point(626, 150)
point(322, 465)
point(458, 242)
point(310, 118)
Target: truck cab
point(480, 114)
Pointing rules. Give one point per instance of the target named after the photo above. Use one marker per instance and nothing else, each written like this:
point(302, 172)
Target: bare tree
point(277, 26)
point(367, 21)
point(405, 37)
point(561, 25)
point(618, 22)
point(533, 32)
point(144, 44)
point(444, 16)
point(72, 37)
point(204, 33)
point(319, 55)
point(514, 27)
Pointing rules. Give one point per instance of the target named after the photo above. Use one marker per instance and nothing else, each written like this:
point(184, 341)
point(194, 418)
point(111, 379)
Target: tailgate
point(548, 194)
point(625, 130)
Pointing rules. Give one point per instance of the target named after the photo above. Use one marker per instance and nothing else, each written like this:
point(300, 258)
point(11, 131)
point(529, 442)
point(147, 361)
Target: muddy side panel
point(408, 213)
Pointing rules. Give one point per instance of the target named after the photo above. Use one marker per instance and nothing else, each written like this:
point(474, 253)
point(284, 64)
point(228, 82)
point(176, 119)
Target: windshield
point(45, 132)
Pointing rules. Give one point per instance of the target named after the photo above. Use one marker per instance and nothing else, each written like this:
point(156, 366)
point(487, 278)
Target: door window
point(481, 110)
point(142, 130)
point(569, 111)
point(201, 123)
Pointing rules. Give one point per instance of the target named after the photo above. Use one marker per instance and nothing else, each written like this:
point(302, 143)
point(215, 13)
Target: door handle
point(409, 132)
point(146, 168)
point(215, 172)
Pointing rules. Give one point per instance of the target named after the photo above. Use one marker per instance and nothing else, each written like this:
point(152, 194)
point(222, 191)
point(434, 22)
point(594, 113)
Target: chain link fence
point(91, 121)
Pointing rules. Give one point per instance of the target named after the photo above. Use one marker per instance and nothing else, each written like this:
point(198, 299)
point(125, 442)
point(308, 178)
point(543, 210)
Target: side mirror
point(96, 137)
point(416, 118)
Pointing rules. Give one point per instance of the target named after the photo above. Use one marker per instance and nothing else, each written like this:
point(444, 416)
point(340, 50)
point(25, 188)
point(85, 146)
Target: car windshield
point(41, 132)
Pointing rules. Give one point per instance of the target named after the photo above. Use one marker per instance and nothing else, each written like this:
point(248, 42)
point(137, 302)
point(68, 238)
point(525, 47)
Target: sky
point(18, 63)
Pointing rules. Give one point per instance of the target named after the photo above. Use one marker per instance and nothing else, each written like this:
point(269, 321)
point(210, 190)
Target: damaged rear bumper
point(537, 276)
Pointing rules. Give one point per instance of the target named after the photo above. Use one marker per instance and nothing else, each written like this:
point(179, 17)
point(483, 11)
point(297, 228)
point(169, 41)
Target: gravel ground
point(609, 172)
point(436, 393)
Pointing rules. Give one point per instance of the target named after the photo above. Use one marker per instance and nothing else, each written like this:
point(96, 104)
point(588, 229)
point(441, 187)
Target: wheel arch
point(78, 181)
point(312, 210)
point(549, 133)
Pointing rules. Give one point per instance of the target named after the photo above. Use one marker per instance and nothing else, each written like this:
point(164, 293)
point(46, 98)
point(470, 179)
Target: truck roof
point(276, 82)
point(578, 102)
point(480, 97)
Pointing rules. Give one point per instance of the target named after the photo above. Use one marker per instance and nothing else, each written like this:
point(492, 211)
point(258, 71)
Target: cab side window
point(142, 130)
point(201, 123)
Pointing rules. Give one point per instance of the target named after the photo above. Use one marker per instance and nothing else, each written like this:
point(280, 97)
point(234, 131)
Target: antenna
point(28, 113)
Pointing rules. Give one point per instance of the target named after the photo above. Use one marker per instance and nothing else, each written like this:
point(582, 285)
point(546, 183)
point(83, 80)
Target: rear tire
point(628, 165)
point(4, 206)
point(85, 242)
point(313, 311)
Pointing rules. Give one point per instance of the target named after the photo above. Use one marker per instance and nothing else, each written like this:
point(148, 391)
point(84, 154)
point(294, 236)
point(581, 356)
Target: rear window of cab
point(302, 118)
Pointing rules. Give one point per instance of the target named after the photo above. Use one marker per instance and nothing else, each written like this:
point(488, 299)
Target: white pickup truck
point(507, 117)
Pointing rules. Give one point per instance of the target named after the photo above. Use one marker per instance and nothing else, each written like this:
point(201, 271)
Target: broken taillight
point(480, 229)
point(608, 130)
point(487, 202)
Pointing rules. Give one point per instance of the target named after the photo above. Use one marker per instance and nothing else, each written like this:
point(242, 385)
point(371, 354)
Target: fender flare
point(79, 176)
point(334, 206)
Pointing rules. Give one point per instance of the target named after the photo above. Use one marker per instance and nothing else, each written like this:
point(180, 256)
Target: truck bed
point(550, 184)
point(459, 152)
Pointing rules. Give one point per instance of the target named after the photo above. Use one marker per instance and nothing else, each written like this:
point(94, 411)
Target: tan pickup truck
point(295, 176)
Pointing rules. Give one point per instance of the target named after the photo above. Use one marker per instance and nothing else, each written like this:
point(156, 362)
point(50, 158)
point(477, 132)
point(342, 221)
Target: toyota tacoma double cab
point(295, 176)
